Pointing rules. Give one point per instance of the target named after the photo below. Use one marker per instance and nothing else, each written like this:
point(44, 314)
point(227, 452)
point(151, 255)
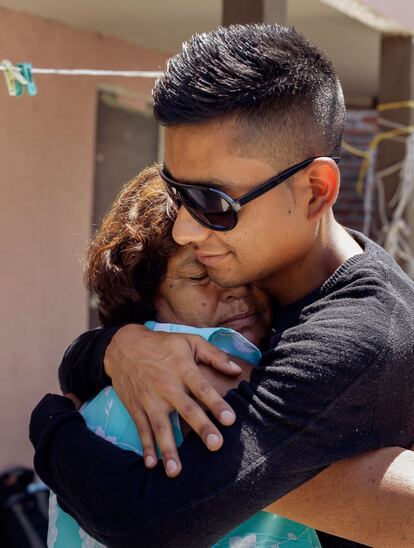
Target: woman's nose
point(187, 230)
point(230, 293)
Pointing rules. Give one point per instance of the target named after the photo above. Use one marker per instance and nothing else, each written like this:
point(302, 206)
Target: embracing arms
point(149, 399)
point(257, 463)
point(368, 499)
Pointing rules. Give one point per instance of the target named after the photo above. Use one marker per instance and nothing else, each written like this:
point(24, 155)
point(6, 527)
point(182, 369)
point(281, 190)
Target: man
point(254, 119)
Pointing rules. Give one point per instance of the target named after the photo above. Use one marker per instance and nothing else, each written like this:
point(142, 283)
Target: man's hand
point(154, 372)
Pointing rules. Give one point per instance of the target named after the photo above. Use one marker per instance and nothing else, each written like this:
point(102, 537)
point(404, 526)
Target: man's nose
point(187, 230)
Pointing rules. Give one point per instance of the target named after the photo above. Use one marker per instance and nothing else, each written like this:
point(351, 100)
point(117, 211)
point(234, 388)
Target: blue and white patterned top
point(107, 416)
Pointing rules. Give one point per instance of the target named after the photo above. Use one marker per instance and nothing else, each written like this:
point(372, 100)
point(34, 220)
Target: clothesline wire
point(364, 154)
point(396, 230)
point(96, 72)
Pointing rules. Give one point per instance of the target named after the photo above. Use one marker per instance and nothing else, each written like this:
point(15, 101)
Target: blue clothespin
point(26, 71)
point(18, 78)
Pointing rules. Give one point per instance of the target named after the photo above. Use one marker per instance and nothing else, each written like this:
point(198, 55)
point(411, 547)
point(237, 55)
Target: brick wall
point(360, 129)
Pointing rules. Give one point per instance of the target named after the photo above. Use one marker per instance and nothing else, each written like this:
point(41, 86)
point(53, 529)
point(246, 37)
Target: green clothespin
point(9, 77)
point(14, 79)
point(26, 72)
point(18, 83)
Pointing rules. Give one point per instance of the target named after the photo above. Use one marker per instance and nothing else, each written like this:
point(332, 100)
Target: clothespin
point(19, 78)
point(13, 77)
point(26, 73)
point(10, 80)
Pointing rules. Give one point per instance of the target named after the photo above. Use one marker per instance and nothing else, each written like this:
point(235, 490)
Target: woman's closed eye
point(202, 277)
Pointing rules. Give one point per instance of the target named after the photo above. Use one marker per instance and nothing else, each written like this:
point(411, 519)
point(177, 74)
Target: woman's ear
point(324, 179)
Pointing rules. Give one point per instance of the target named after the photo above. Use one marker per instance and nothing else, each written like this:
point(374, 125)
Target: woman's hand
point(154, 372)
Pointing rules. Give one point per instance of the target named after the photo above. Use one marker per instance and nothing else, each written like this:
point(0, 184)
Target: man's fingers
point(214, 357)
point(197, 419)
point(199, 386)
point(147, 440)
point(161, 426)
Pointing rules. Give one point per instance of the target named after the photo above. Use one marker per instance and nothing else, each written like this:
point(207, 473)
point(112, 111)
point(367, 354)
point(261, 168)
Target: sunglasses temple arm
point(249, 196)
point(279, 179)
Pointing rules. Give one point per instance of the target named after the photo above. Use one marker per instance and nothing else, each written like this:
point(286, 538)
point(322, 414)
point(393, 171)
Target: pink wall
point(47, 162)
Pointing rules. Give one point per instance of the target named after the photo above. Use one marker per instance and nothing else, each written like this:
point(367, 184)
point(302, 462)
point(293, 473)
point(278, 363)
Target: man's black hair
point(281, 91)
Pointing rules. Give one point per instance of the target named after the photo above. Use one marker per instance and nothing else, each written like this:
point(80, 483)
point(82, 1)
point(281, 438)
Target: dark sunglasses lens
point(209, 207)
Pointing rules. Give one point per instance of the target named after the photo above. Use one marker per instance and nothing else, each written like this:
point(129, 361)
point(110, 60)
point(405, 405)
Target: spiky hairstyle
point(277, 87)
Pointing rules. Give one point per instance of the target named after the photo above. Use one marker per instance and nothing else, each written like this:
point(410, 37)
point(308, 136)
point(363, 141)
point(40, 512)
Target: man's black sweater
point(337, 381)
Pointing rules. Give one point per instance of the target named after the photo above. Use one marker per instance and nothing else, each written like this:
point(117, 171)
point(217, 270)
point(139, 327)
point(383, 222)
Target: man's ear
point(324, 178)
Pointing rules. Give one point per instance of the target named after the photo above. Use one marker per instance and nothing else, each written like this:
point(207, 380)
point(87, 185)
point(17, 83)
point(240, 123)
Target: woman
point(127, 290)
point(148, 276)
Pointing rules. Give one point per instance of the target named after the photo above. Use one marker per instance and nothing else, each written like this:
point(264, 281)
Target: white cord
point(398, 231)
point(369, 192)
point(93, 72)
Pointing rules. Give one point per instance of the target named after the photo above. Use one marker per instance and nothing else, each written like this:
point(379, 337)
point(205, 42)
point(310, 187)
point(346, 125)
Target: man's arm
point(120, 348)
point(368, 499)
point(318, 398)
point(81, 371)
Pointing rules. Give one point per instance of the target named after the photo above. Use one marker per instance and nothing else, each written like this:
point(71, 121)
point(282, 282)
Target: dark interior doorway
point(126, 142)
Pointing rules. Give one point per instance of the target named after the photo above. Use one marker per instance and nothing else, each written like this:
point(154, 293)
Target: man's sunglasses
point(215, 209)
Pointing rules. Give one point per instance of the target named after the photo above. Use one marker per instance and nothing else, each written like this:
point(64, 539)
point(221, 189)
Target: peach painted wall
point(46, 179)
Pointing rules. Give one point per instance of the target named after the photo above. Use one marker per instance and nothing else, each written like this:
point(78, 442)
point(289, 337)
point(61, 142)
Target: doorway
point(126, 141)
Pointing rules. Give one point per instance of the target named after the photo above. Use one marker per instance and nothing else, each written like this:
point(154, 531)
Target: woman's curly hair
point(128, 257)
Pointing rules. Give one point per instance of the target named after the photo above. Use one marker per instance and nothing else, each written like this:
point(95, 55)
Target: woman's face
point(187, 296)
